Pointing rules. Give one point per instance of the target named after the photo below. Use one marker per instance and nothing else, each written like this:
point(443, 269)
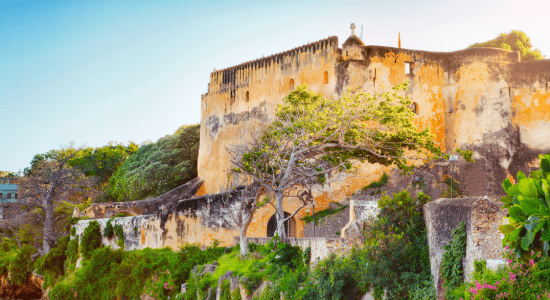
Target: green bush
point(528, 233)
point(91, 239)
point(52, 265)
point(62, 291)
point(451, 262)
point(396, 254)
point(72, 250)
point(22, 265)
point(514, 280)
point(119, 232)
point(73, 231)
point(8, 251)
point(108, 231)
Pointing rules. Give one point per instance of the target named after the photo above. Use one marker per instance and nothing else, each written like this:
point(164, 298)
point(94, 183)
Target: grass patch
point(378, 184)
point(319, 215)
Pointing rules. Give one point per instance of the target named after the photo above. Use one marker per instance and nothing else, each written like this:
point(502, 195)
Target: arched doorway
point(290, 226)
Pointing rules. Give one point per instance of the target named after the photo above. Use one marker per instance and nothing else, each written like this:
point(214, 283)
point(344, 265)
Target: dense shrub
point(91, 239)
point(22, 265)
point(157, 168)
point(72, 250)
point(108, 231)
point(119, 232)
point(52, 264)
point(514, 280)
point(8, 251)
point(396, 254)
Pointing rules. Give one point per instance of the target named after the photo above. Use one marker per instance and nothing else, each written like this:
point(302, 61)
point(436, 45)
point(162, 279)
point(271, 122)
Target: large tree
point(50, 180)
point(313, 137)
point(157, 168)
point(515, 40)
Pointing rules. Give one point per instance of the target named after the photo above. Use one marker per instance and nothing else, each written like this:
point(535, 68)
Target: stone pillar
point(482, 217)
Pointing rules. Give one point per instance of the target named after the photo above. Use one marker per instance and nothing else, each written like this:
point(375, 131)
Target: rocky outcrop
point(32, 289)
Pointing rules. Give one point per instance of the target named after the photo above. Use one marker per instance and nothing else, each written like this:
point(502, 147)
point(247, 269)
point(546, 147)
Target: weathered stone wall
point(144, 207)
point(329, 226)
point(480, 99)
point(481, 217)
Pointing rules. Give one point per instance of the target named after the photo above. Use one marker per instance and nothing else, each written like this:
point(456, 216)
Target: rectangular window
point(409, 66)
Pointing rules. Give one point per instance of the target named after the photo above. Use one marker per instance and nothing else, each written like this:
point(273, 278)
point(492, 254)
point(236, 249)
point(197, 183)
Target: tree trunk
point(280, 216)
point(243, 241)
point(48, 227)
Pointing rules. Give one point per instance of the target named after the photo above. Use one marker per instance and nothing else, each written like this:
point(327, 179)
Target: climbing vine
point(451, 263)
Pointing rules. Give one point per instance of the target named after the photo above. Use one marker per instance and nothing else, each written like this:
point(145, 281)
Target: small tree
point(49, 180)
point(312, 137)
point(243, 210)
point(515, 40)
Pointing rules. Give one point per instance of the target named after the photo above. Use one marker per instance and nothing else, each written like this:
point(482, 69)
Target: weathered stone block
point(482, 216)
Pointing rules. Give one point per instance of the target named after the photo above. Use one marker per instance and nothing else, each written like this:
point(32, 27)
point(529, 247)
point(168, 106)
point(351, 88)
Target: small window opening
point(346, 53)
point(1, 195)
point(291, 84)
point(325, 78)
point(247, 96)
point(9, 195)
point(408, 68)
point(16, 195)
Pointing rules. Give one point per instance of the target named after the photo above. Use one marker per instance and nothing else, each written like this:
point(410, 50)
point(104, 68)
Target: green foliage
point(120, 215)
point(21, 266)
point(72, 250)
point(378, 184)
point(8, 251)
point(528, 233)
point(73, 231)
point(307, 256)
point(456, 192)
point(102, 162)
point(320, 215)
point(396, 253)
point(52, 265)
point(119, 232)
point(515, 40)
point(451, 262)
point(91, 239)
point(108, 230)
point(158, 167)
point(62, 291)
point(514, 280)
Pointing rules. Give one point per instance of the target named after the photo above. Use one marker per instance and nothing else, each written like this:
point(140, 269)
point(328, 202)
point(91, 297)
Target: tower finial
point(352, 28)
point(399, 40)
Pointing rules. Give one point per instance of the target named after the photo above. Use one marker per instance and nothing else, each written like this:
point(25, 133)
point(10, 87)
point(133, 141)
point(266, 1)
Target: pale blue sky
point(98, 71)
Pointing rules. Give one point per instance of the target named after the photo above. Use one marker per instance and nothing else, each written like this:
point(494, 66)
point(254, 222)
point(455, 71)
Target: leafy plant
point(72, 250)
point(320, 215)
point(528, 233)
point(91, 239)
point(515, 40)
point(451, 263)
point(22, 265)
point(108, 230)
point(52, 265)
point(378, 184)
point(119, 232)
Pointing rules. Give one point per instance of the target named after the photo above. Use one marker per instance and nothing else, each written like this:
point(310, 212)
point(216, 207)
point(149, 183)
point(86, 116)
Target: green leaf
point(532, 223)
point(506, 184)
point(528, 188)
point(545, 164)
point(521, 176)
point(527, 240)
point(507, 199)
point(513, 190)
point(514, 235)
point(506, 229)
point(530, 206)
point(517, 213)
point(546, 231)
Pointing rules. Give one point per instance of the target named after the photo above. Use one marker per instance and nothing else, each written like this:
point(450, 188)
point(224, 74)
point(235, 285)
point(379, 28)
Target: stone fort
point(482, 99)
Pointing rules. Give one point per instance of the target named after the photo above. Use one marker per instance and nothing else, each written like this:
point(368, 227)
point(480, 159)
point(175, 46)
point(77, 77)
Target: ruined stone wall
point(329, 226)
point(482, 218)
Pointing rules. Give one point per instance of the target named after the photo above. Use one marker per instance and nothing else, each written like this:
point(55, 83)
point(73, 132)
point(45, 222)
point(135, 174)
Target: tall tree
point(515, 40)
point(313, 137)
point(157, 168)
point(49, 180)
